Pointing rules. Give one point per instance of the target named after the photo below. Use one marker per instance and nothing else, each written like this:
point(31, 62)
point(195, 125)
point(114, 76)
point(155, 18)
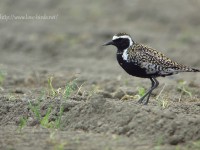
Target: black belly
point(132, 69)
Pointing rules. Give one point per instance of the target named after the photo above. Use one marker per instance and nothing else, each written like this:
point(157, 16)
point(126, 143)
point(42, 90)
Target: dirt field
point(91, 103)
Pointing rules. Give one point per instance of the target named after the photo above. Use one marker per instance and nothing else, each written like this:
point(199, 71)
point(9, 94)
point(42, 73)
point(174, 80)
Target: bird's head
point(121, 41)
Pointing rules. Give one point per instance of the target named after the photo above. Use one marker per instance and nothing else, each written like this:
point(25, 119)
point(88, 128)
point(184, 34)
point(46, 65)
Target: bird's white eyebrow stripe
point(123, 36)
point(115, 37)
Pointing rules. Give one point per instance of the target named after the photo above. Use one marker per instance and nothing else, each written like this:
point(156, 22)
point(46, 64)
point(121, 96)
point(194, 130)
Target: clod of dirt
point(32, 121)
point(119, 94)
point(97, 101)
point(19, 91)
point(175, 139)
point(67, 105)
point(105, 94)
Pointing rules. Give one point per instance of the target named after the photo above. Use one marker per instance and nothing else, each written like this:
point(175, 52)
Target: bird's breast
point(130, 67)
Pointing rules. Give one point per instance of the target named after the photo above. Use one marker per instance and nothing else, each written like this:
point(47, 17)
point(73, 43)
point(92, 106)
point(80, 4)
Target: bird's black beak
point(108, 43)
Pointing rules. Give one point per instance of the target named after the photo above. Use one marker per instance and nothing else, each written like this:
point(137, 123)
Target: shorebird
point(144, 62)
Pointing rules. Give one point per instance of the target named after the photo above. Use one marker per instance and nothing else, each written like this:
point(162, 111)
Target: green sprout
point(196, 145)
point(44, 121)
point(59, 146)
point(141, 92)
point(2, 76)
point(69, 88)
point(183, 88)
point(159, 143)
point(22, 123)
point(36, 108)
point(52, 91)
point(58, 119)
point(162, 101)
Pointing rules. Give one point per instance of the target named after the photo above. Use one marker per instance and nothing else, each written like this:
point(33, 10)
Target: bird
point(144, 62)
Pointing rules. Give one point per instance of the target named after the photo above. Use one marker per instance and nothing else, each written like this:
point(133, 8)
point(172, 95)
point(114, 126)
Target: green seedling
point(196, 145)
point(59, 146)
point(22, 123)
point(183, 88)
point(42, 95)
point(57, 143)
point(36, 110)
point(159, 143)
point(58, 119)
point(2, 76)
point(141, 92)
point(162, 101)
point(52, 91)
point(69, 88)
point(45, 120)
point(64, 93)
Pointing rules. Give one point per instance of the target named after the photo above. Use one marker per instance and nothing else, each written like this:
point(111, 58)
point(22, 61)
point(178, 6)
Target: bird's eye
point(118, 40)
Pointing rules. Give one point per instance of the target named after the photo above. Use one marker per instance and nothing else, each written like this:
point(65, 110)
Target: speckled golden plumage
point(145, 56)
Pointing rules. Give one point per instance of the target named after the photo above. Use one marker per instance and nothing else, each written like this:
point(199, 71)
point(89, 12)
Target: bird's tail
point(195, 70)
point(189, 69)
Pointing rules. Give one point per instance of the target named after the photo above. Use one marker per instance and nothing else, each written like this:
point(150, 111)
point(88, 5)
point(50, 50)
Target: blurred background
point(70, 40)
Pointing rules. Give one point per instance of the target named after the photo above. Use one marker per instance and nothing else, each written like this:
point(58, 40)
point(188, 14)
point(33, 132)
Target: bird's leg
point(149, 91)
point(152, 88)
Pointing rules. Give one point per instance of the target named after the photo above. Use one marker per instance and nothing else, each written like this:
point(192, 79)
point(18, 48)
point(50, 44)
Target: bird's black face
point(121, 42)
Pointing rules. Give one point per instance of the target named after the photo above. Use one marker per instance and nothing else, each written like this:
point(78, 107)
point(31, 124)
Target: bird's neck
point(122, 55)
point(121, 51)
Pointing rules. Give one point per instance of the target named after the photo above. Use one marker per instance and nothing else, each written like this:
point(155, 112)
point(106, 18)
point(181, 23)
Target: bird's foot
point(141, 100)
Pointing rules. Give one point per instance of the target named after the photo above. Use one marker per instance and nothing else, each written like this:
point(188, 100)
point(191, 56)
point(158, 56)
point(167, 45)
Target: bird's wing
point(155, 62)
